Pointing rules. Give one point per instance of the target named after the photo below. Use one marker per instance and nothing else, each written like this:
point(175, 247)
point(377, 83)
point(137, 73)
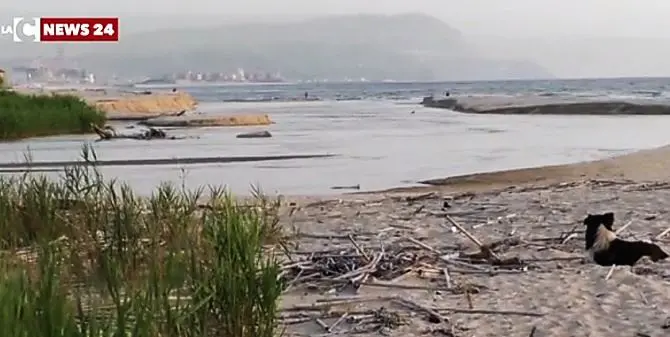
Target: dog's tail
point(652, 250)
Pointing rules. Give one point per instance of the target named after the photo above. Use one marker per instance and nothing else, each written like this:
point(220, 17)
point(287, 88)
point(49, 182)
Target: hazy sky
point(631, 18)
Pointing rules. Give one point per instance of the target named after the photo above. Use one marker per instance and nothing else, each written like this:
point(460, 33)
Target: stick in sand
point(472, 238)
point(623, 227)
point(609, 273)
point(664, 233)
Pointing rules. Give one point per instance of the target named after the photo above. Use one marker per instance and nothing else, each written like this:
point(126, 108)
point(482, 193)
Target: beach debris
point(256, 134)
point(108, 133)
point(352, 187)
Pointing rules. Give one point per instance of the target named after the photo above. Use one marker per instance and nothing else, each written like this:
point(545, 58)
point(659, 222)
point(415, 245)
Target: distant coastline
point(203, 84)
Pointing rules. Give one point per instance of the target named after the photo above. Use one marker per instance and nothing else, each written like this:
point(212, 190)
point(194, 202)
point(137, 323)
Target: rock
point(353, 187)
point(550, 105)
point(428, 100)
point(256, 134)
point(446, 103)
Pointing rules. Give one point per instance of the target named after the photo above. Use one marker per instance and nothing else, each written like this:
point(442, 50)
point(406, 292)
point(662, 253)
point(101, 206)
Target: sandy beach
point(431, 279)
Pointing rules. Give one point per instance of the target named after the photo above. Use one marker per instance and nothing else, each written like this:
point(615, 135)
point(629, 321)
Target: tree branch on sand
point(109, 133)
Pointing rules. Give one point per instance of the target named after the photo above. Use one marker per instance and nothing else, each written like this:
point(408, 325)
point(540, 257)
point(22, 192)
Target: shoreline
point(647, 165)
point(527, 216)
point(549, 105)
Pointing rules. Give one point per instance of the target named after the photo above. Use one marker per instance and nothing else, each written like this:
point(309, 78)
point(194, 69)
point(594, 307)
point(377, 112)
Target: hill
point(377, 47)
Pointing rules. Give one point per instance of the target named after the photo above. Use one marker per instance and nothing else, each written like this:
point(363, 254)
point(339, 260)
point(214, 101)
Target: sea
point(379, 134)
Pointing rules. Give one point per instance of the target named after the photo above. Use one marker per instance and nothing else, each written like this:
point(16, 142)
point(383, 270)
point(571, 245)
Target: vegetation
point(44, 115)
point(85, 257)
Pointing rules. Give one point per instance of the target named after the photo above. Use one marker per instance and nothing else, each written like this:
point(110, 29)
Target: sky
point(571, 38)
point(511, 18)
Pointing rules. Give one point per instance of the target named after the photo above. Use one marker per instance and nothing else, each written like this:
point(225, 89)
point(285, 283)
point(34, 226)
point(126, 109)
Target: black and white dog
point(606, 249)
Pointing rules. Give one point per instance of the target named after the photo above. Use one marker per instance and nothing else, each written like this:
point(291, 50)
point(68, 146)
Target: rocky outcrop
point(209, 120)
point(540, 105)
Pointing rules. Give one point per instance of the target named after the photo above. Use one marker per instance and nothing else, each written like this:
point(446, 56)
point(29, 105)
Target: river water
point(378, 141)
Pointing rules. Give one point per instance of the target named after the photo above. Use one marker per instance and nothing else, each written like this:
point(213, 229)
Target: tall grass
point(82, 256)
point(24, 116)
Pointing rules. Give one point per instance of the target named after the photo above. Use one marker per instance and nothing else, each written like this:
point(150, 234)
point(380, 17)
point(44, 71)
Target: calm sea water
point(651, 88)
point(379, 143)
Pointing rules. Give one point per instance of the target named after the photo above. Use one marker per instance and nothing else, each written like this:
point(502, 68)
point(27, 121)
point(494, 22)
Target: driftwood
point(109, 133)
point(405, 257)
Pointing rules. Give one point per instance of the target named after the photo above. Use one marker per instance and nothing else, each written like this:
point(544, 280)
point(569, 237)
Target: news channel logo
point(22, 29)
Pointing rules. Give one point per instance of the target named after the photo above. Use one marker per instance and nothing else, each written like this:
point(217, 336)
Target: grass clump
point(81, 256)
point(44, 115)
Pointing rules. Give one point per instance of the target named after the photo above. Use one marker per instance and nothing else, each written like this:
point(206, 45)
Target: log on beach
point(543, 105)
point(109, 133)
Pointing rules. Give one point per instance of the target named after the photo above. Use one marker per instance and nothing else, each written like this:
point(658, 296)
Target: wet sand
point(427, 267)
point(550, 105)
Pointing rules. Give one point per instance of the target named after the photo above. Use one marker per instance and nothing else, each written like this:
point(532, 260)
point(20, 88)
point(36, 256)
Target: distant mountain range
point(375, 47)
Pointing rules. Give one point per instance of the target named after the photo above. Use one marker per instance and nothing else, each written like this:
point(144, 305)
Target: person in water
point(447, 93)
point(306, 95)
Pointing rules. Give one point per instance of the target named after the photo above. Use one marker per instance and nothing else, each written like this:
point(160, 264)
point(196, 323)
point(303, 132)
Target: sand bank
point(200, 120)
point(117, 103)
point(641, 166)
point(542, 105)
point(144, 105)
point(154, 108)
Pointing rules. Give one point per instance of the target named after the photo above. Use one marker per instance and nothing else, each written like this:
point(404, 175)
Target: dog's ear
point(588, 218)
point(608, 219)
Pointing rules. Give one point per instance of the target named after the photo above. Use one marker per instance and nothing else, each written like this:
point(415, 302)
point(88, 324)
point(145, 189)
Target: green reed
point(81, 256)
point(25, 116)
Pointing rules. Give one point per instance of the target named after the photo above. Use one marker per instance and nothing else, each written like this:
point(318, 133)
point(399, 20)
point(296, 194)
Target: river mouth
point(380, 144)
